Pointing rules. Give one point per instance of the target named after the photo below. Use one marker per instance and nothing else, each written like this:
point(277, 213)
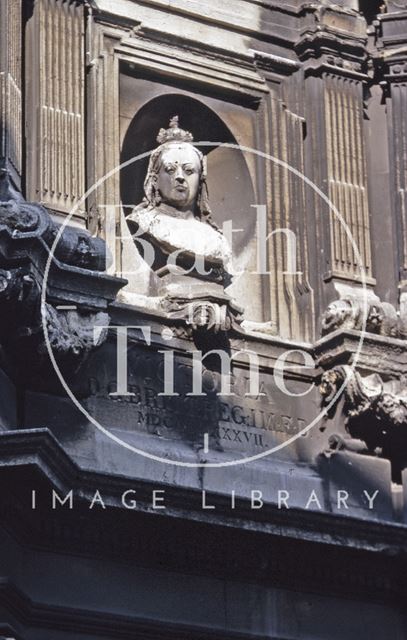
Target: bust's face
point(179, 176)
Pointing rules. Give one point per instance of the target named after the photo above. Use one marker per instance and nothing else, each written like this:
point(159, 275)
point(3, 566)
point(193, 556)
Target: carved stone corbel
point(78, 291)
point(71, 333)
point(205, 312)
point(375, 414)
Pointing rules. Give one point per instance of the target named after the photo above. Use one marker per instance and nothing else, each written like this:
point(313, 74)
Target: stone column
point(10, 89)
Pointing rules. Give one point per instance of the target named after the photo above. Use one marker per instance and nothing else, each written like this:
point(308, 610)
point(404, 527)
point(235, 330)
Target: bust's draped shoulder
point(188, 236)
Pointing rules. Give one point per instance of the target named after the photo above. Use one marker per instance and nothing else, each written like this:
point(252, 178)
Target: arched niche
point(231, 190)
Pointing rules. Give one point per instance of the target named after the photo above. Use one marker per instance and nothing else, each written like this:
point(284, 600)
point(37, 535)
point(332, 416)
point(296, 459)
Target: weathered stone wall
point(307, 541)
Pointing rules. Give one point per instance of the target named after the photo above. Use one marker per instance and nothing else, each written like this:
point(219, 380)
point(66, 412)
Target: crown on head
point(174, 133)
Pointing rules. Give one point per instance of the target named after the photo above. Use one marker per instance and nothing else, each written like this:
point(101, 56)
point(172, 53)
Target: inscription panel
point(237, 421)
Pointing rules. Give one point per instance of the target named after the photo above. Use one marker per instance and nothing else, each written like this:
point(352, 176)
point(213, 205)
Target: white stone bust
point(175, 215)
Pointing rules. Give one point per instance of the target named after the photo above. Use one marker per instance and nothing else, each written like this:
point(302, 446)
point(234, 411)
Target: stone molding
point(63, 474)
point(230, 73)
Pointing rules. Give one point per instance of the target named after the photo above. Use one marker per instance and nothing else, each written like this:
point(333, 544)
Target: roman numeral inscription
point(237, 421)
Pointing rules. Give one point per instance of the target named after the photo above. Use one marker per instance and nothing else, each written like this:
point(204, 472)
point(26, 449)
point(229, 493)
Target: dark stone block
point(356, 474)
point(8, 403)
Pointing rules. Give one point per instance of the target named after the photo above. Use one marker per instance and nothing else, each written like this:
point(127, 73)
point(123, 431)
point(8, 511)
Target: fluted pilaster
point(10, 88)
point(55, 104)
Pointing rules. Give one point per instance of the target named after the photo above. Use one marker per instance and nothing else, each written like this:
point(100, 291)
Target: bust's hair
point(152, 195)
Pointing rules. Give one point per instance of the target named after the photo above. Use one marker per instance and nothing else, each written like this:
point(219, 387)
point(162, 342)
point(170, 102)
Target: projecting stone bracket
point(24, 222)
point(70, 332)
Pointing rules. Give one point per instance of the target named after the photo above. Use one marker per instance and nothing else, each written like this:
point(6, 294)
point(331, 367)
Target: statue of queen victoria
point(190, 253)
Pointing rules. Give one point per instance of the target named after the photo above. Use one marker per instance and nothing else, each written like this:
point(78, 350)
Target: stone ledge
point(38, 450)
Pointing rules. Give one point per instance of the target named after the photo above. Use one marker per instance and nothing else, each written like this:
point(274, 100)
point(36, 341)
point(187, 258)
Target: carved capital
point(336, 39)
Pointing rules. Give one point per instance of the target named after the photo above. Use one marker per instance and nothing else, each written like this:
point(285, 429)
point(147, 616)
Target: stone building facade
point(272, 503)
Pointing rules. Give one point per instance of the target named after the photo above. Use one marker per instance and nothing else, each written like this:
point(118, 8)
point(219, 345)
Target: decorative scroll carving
point(72, 333)
point(350, 313)
point(385, 400)
point(338, 442)
point(55, 141)
point(204, 312)
point(375, 411)
point(75, 246)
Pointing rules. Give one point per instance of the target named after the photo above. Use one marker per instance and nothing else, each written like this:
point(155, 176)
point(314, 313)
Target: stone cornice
point(333, 39)
point(216, 69)
point(267, 347)
point(38, 450)
point(221, 17)
point(271, 63)
point(387, 356)
point(75, 620)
